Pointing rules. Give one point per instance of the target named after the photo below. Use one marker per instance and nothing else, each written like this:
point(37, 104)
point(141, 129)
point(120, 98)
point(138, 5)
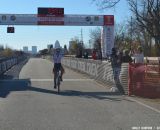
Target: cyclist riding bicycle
point(57, 57)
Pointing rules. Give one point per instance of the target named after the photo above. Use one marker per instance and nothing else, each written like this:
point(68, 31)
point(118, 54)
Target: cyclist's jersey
point(57, 57)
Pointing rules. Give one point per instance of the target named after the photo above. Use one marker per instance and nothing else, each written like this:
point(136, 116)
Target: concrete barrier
point(101, 71)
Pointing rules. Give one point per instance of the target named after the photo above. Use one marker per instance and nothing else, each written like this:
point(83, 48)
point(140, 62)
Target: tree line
point(143, 28)
point(6, 52)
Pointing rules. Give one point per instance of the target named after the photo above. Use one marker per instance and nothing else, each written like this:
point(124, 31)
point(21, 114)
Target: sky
point(41, 36)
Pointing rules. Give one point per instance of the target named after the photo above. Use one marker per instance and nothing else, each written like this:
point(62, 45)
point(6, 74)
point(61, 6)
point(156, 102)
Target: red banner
point(109, 20)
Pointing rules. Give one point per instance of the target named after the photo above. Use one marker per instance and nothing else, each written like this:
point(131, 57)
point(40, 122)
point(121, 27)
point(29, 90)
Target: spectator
point(120, 57)
point(139, 56)
point(94, 56)
point(99, 55)
point(116, 61)
point(126, 58)
point(114, 57)
point(85, 55)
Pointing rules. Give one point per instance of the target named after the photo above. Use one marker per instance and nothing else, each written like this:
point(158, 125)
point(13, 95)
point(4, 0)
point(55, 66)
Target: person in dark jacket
point(126, 58)
point(85, 55)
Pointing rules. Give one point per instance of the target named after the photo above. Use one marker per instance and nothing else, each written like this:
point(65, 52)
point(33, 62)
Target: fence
point(101, 71)
point(132, 79)
point(144, 80)
point(6, 64)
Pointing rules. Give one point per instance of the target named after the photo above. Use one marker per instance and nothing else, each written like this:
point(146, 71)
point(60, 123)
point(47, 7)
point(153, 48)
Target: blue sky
point(43, 35)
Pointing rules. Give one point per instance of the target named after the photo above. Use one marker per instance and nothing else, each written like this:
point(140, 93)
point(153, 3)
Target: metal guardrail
point(7, 63)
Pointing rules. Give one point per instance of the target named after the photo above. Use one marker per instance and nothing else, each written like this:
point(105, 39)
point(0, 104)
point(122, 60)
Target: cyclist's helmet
point(57, 46)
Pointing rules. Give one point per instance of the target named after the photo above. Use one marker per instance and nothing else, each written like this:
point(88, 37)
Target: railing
point(133, 79)
point(130, 79)
point(101, 71)
point(7, 63)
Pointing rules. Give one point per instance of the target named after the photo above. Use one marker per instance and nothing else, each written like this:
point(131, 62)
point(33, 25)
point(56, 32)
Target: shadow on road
point(97, 95)
point(11, 85)
point(8, 86)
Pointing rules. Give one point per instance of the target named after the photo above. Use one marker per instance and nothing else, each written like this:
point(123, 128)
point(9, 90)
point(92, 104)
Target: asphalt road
point(29, 102)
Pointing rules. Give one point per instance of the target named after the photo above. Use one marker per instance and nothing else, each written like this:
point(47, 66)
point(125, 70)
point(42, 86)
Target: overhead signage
point(108, 20)
point(43, 12)
point(66, 20)
point(50, 21)
point(84, 20)
point(50, 16)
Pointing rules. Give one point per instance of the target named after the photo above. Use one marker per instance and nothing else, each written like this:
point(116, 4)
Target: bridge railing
point(7, 63)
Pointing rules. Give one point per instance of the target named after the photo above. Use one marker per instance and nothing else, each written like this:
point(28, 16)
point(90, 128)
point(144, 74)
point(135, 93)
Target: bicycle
point(58, 79)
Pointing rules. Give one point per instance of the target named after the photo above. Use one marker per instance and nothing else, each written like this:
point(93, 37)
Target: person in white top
point(57, 57)
point(139, 56)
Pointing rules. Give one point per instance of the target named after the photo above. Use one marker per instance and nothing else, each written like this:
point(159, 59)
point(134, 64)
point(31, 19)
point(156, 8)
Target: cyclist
point(57, 57)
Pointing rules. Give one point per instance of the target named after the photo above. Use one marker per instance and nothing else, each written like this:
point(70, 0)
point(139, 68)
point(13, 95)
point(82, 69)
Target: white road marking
point(45, 80)
point(63, 79)
point(145, 105)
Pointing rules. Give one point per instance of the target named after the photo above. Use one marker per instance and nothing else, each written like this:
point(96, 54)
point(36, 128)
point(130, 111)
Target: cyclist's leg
point(62, 72)
point(55, 79)
point(55, 75)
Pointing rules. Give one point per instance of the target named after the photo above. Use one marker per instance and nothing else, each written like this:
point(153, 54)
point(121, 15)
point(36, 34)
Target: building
point(25, 49)
point(49, 46)
point(34, 49)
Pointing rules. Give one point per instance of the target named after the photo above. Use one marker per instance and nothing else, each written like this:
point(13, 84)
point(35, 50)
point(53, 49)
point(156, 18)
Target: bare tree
point(95, 37)
point(74, 45)
point(140, 35)
point(147, 15)
point(104, 4)
point(120, 35)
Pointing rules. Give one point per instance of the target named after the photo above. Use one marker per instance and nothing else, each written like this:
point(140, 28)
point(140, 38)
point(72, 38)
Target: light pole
point(131, 34)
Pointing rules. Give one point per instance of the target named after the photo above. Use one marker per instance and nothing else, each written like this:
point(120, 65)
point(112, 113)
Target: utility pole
point(82, 36)
point(82, 45)
point(131, 33)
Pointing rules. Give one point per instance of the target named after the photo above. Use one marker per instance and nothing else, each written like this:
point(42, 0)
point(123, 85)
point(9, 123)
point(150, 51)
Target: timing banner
point(56, 17)
point(50, 16)
point(50, 20)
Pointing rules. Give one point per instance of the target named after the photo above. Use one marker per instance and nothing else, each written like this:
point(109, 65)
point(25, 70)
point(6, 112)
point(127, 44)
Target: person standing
point(126, 58)
point(94, 56)
point(139, 56)
point(85, 55)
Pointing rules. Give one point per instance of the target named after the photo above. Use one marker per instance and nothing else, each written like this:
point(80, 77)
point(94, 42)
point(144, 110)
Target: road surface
point(29, 102)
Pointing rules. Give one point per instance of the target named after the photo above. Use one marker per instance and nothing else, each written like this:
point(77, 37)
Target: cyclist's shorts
point(57, 66)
